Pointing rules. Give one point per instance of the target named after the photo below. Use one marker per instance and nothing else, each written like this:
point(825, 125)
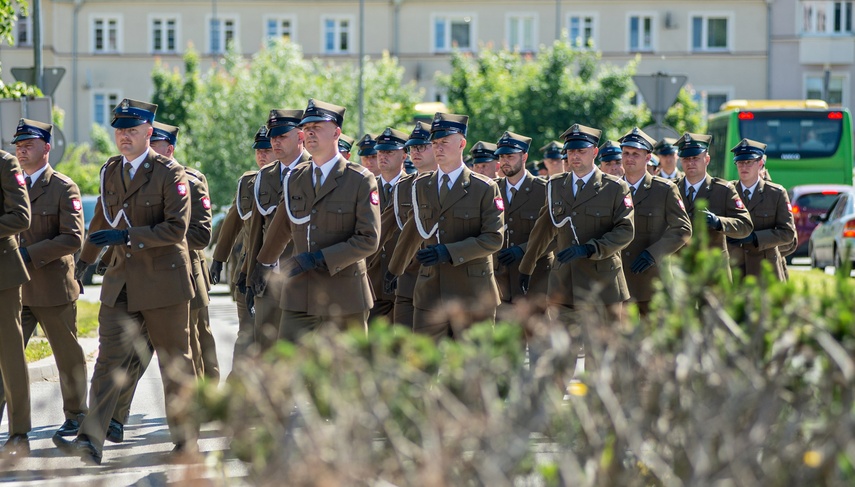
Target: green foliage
point(37, 349)
point(8, 16)
point(175, 92)
point(82, 162)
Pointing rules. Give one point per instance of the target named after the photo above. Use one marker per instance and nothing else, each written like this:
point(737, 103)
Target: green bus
point(807, 142)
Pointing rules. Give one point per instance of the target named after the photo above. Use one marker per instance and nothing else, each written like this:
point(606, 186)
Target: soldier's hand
point(713, 221)
point(25, 255)
point(643, 262)
point(258, 279)
point(390, 283)
point(216, 271)
point(241, 283)
point(574, 252)
point(80, 269)
point(433, 255)
point(250, 301)
point(525, 282)
point(100, 267)
point(303, 262)
point(749, 240)
point(102, 238)
point(510, 255)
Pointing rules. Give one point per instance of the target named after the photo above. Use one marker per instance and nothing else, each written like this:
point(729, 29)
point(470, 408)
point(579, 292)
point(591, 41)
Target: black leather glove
point(713, 221)
point(574, 252)
point(25, 255)
point(100, 267)
point(433, 255)
point(258, 279)
point(250, 301)
point(390, 283)
point(643, 262)
point(216, 271)
point(510, 255)
point(241, 283)
point(102, 238)
point(525, 282)
point(749, 240)
point(80, 269)
point(304, 262)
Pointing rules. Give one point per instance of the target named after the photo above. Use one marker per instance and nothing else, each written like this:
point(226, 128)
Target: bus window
point(806, 134)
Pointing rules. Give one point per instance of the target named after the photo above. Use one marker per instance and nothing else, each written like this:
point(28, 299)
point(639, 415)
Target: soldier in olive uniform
point(610, 157)
point(666, 151)
point(457, 219)
point(287, 140)
point(330, 211)
point(553, 158)
point(770, 211)
point(484, 161)
point(368, 154)
point(725, 214)
point(144, 212)
point(523, 196)
point(662, 225)
point(345, 144)
point(14, 219)
point(48, 248)
point(390, 160)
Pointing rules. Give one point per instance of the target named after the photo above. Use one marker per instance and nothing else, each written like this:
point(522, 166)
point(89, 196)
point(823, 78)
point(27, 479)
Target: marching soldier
point(144, 212)
point(610, 157)
point(368, 154)
point(345, 143)
point(48, 248)
point(523, 196)
point(287, 140)
point(484, 159)
point(457, 219)
point(653, 165)
point(666, 151)
point(390, 158)
point(770, 211)
point(330, 212)
point(725, 214)
point(14, 219)
point(662, 225)
point(553, 158)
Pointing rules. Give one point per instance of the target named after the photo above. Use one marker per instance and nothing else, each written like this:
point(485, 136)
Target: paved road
point(142, 459)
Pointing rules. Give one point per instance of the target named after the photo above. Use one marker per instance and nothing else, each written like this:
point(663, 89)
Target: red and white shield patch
point(182, 189)
point(75, 203)
point(500, 204)
point(375, 198)
point(790, 207)
point(627, 201)
point(20, 178)
point(680, 202)
point(739, 204)
point(206, 203)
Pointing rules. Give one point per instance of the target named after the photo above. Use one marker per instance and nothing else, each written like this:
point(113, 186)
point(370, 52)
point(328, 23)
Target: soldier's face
point(554, 166)
point(32, 153)
point(422, 156)
point(749, 171)
point(489, 169)
point(320, 134)
point(668, 162)
point(581, 161)
point(612, 167)
point(448, 149)
point(163, 148)
point(286, 145)
point(512, 164)
point(132, 141)
point(695, 167)
point(390, 161)
point(370, 163)
point(264, 157)
point(634, 161)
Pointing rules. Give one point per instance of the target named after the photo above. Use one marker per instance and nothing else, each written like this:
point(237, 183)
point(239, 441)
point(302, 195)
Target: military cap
point(366, 145)
point(638, 139)
point(747, 150)
point(540, 166)
point(610, 151)
point(654, 161)
point(165, 132)
point(445, 124)
point(511, 143)
point(581, 137)
point(409, 167)
point(319, 111)
point(665, 147)
point(130, 113)
point(468, 161)
point(693, 144)
point(281, 121)
point(419, 136)
point(345, 143)
point(553, 150)
point(483, 152)
point(262, 138)
point(31, 129)
point(391, 139)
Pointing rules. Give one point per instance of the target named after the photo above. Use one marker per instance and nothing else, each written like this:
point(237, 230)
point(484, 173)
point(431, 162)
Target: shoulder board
point(776, 186)
point(268, 166)
point(722, 182)
point(609, 177)
point(663, 181)
point(360, 169)
point(62, 177)
point(249, 173)
point(561, 175)
point(192, 179)
point(482, 178)
point(424, 175)
point(164, 160)
point(195, 172)
point(7, 155)
point(117, 159)
point(538, 181)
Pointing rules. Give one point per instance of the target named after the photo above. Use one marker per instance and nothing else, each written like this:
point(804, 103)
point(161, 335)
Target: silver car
point(833, 241)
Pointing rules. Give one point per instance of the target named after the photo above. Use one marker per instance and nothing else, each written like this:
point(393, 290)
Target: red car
point(809, 200)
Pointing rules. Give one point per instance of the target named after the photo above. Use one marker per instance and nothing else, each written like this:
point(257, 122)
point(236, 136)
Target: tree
point(174, 92)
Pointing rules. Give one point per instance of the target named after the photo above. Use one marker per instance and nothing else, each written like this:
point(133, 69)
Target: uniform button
point(382, 256)
point(314, 211)
point(173, 266)
point(460, 259)
point(442, 218)
point(42, 262)
point(442, 232)
point(314, 227)
point(314, 243)
point(510, 231)
point(125, 205)
point(147, 203)
point(510, 219)
point(128, 255)
point(339, 210)
point(574, 213)
point(482, 273)
point(44, 213)
point(141, 245)
point(338, 269)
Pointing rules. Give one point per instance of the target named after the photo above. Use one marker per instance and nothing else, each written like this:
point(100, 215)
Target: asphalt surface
point(143, 458)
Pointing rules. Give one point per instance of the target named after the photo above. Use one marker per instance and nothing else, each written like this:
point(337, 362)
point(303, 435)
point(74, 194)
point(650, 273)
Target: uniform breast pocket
point(528, 218)
point(598, 215)
point(558, 210)
point(169, 262)
point(468, 220)
point(341, 216)
point(44, 218)
point(265, 198)
point(649, 219)
point(763, 220)
point(150, 205)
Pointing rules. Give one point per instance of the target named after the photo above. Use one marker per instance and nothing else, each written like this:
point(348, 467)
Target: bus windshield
point(792, 135)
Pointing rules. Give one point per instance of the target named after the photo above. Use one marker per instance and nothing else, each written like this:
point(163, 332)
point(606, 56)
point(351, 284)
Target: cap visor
point(24, 137)
point(746, 157)
point(311, 119)
point(666, 152)
point(507, 150)
point(126, 123)
point(692, 151)
point(262, 145)
point(281, 129)
point(483, 160)
point(637, 145)
point(578, 144)
point(442, 133)
point(413, 142)
point(367, 152)
point(388, 147)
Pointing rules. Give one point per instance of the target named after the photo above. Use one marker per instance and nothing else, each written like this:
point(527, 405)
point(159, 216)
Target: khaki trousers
point(13, 365)
point(295, 324)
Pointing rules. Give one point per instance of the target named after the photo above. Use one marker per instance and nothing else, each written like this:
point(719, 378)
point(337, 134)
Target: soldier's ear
point(47, 146)
point(462, 142)
point(337, 132)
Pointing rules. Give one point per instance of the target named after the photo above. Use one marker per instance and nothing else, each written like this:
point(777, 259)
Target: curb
point(45, 369)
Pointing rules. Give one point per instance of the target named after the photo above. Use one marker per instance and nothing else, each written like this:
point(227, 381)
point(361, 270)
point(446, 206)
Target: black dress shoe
point(69, 428)
point(81, 447)
point(115, 432)
point(16, 446)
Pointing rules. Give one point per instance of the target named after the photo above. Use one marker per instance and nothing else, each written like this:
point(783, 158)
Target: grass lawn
point(87, 326)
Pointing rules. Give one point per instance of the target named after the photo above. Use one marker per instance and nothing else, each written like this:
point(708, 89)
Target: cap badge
point(635, 130)
point(125, 104)
point(437, 118)
point(575, 128)
point(687, 138)
point(744, 143)
point(387, 132)
point(311, 104)
point(21, 125)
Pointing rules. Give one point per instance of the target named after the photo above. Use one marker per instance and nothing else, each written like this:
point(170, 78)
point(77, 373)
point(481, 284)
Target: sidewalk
point(45, 369)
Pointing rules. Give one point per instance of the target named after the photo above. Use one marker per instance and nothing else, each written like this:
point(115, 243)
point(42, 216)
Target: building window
point(279, 27)
point(640, 33)
point(453, 32)
point(815, 88)
point(337, 32)
point(827, 17)
point(23, 31)
point(103, 103)
point(222, 32)
point(710, 33)
point(105, 34)
point(164, 34)
point(582, 30)
point(520, 33)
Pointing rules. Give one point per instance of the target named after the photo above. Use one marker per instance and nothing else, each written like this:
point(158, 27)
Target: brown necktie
point(579, 184)
point(691, 194)
point(29, 182)
point(444, 189)
point(318, 175)
point(387, 191)
point(126, 175)
point(513, 195)
point(746, 195)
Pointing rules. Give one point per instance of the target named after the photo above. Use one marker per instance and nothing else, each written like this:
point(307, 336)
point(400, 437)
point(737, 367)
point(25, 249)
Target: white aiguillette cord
point(248, 214)
point(286, 197)
point(395, 206)
point(261, 210)
point(113, 222)
point(567, 219)
point(433, 231)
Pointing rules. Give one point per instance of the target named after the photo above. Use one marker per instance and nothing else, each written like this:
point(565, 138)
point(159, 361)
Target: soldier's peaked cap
point(345, 143)
point(130, 113)
point(165, 132)
point(366, 145)
point(262, 138)
point(511, 143)
point(321, 111)
point(420, 135)
point(281, 121)
point(391, 139)
point(483, 152)
point(638, 139)
point(691, 144)
point(553, 150)
point(747, 150)
point(665, 147)
point(445, 124)
point(610, 151)
point(581, 137)
point(32, 129)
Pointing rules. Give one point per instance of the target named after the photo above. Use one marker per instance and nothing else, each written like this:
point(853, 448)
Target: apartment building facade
point(108, 47)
